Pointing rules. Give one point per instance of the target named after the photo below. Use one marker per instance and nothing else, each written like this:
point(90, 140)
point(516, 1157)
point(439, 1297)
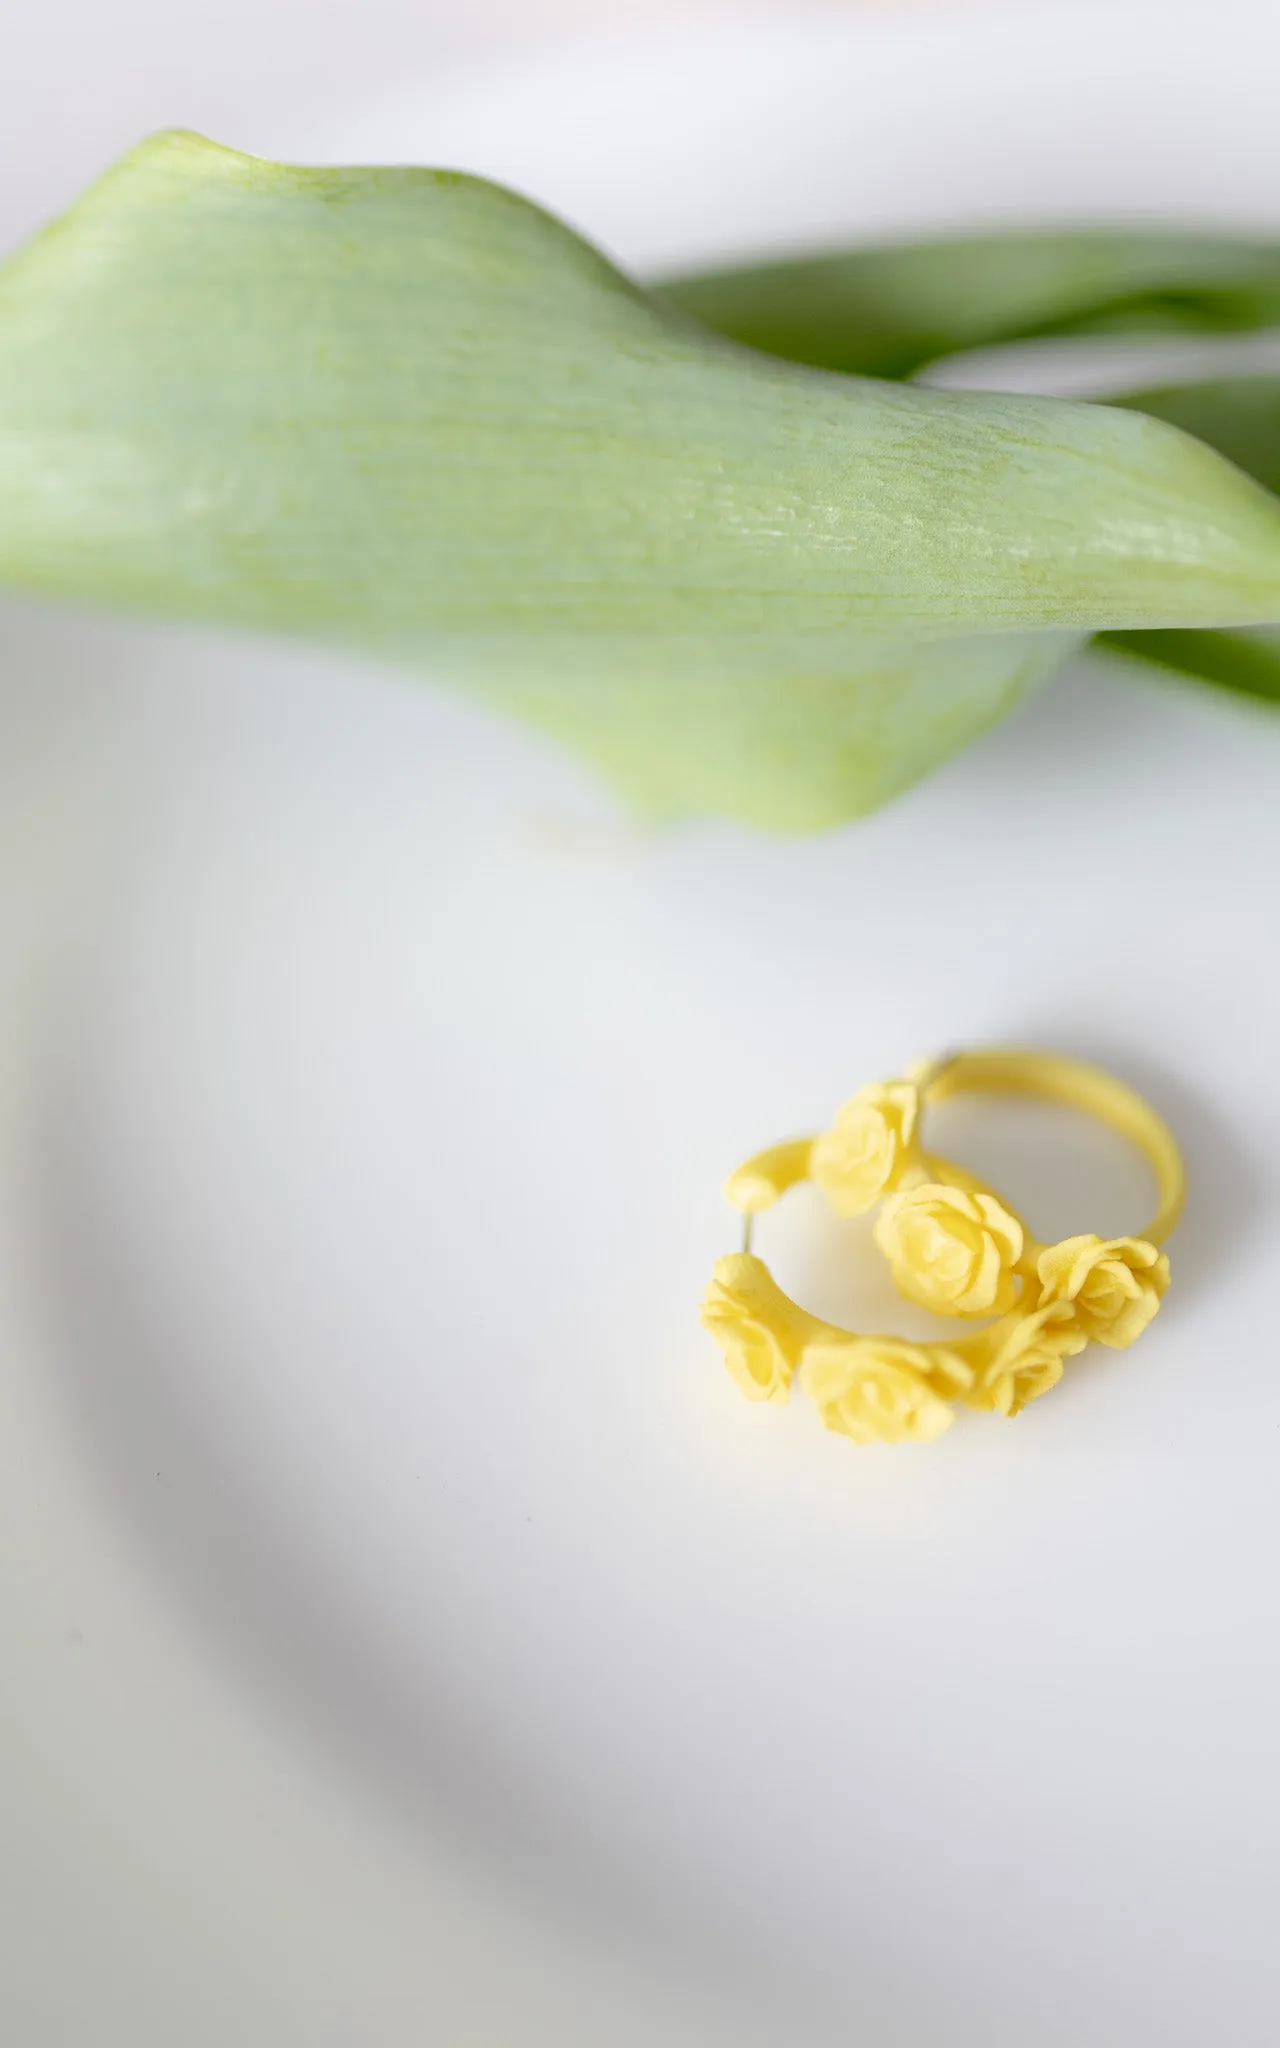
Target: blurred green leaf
point(407, 411)
point(1248, 663)
point(886, 311)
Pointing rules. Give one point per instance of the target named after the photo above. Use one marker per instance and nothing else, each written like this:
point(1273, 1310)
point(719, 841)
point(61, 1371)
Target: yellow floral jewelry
point(954, 1247)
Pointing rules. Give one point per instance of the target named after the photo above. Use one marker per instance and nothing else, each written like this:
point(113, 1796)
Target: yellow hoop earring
point(953, 1246)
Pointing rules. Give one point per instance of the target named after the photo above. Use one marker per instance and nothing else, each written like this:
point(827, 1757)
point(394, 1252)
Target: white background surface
point(409, 1633)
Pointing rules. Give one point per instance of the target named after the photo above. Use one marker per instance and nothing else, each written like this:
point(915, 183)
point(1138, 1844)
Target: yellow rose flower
point(1016, 1365)
point(867, 1148)
point(1114, 1284)
point(952, 1251)
point(878, 1389)
point(760, 1331)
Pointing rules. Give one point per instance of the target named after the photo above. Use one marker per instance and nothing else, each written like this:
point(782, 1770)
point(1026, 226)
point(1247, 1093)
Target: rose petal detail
point(875, 1390)
point(1015, 1362)
point(760, 1331)
point(1114, 1285)
point(950, 1250)
point(868, 1147)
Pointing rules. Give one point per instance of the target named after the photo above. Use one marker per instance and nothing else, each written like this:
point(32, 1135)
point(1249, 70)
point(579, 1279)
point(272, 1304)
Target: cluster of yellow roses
point(952, 1247)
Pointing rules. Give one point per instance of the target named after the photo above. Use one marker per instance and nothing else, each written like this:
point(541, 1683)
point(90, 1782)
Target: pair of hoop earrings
point(953, 1246)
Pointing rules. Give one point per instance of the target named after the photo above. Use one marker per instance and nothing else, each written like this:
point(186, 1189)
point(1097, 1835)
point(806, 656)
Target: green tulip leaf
point(1241, 418)
point(886, 311)
point(1248, 663)
point(1238, 416)
point(407, 411)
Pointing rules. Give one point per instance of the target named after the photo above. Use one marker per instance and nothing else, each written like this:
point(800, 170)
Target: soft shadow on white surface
point(178, 1474)
point(379, 1180)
